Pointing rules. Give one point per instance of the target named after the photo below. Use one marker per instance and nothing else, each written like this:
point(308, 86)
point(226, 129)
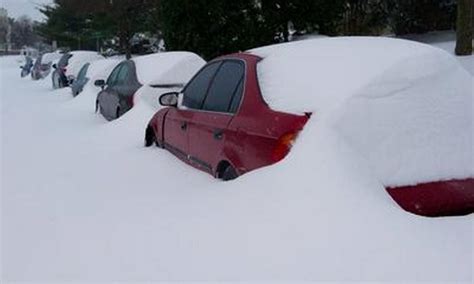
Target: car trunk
point(436, 199)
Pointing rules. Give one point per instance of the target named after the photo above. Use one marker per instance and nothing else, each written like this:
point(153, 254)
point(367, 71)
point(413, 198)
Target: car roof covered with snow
point(405, 107)
point(167, 67)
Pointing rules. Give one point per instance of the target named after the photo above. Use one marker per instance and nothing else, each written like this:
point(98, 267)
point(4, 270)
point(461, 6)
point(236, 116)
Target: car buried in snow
point(244, 111)
point(68, 67)
point(119, 90)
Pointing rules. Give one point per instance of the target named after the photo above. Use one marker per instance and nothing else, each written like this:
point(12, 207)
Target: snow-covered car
point(90, 72)
point(26, 67)
point(43, 65)
point(403, 107)
point(151, 75)
point(68, 67)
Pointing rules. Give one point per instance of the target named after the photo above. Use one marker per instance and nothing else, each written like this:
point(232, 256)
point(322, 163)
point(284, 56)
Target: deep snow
point(404, 106)
point(83, 200)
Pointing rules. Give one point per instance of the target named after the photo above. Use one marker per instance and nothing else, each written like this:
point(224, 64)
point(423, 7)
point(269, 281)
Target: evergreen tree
point(212, 27)
point(464, 27)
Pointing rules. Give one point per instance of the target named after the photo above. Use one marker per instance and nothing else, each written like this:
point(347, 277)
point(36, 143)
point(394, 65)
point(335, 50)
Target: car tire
point(97, 106)
point(117, 113)
point(229, 173)
point(149, 137)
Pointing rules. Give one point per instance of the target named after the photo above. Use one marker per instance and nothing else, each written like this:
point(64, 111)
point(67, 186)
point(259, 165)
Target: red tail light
point(283, 146)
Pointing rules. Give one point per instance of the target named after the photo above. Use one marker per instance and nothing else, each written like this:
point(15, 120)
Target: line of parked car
point(211, 115)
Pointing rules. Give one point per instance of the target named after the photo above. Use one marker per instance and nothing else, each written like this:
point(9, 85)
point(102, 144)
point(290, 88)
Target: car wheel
point(117, 113)
point(149, 137)
point(97, 106)
point(229, 173)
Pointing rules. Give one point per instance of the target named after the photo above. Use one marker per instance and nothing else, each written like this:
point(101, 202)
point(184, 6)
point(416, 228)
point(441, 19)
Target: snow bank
point(167, 67)
point(405, 107)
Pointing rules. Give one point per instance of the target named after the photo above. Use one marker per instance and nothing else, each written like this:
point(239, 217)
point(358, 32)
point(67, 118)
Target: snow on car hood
point(164, 72)
point(405, 107)
point(101, 69)
point(167, 67)
point(78, 59)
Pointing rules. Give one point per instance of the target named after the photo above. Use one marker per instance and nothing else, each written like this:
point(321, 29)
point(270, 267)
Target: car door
point(177, 119)
point(208, 127)
point(126, 88)
point(117, 91)
point(105, 97)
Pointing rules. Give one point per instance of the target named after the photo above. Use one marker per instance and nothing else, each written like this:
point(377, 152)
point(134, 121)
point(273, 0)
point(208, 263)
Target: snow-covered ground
point(83, 200)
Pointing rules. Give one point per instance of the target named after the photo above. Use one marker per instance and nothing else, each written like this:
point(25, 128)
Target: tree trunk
point(464, 28)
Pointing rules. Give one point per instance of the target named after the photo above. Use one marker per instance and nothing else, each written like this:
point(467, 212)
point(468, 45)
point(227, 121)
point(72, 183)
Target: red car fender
point(157, 123)
point(232, 157)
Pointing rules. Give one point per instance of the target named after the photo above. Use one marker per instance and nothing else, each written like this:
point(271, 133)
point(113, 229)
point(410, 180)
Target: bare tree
point(23, 33)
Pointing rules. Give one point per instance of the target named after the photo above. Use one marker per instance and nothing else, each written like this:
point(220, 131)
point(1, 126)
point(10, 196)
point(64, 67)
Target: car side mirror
point(100, 83)
point(55, 66)
point(169, 99)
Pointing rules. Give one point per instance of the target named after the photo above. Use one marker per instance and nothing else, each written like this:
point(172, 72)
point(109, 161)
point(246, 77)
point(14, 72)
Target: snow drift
point(405, 107)
point(87, 202)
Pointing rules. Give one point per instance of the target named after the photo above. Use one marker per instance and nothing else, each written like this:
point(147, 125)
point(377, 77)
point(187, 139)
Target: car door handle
point(184, 126)
point(218, 134)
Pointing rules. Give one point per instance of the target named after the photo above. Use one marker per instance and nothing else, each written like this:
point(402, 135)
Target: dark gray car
point(116, 97)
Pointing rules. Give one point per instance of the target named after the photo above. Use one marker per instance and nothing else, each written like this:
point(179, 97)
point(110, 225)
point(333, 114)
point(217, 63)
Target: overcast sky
point(18, 8)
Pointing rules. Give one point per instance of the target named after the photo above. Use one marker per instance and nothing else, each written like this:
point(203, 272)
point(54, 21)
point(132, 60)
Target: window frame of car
point(83, 72)
point(113, 75)
point(242, 81)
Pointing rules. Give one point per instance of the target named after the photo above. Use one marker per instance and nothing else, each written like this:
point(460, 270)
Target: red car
point(223, 126)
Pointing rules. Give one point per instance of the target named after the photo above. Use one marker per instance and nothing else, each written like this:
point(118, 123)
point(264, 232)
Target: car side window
point(224, 87)
point(196, 90)
point(122, 75)
point(82, 74)
point(111, 81)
